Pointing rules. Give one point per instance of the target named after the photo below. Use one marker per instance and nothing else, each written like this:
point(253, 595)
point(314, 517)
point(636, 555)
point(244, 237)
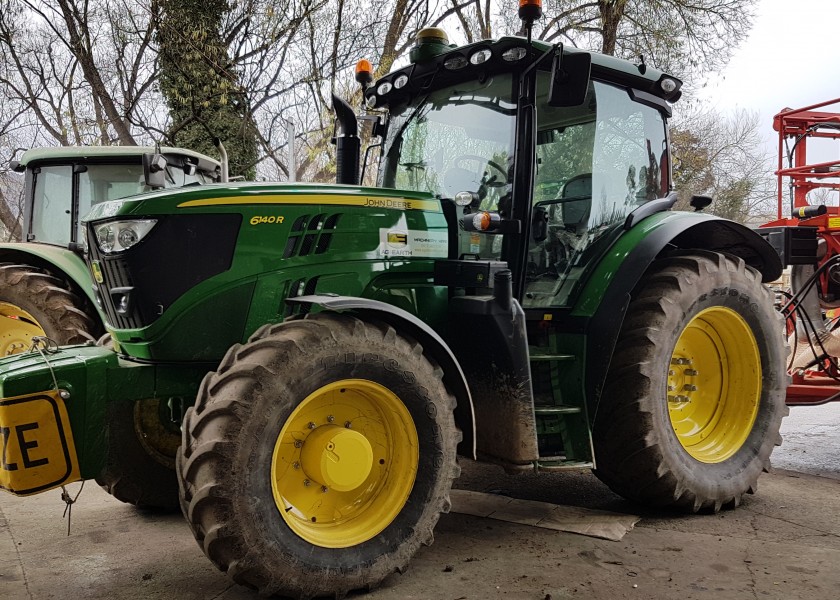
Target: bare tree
point(722, 156)
point(80, 67)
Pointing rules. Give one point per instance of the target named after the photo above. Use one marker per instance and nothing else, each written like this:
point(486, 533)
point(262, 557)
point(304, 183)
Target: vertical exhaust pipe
point(223, 154)
point(347, 143)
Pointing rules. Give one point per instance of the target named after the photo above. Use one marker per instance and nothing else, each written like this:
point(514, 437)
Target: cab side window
point(596, 163)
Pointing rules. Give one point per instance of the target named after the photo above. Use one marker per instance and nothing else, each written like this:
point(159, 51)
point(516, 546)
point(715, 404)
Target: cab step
point(556, 410)
point(537, 356)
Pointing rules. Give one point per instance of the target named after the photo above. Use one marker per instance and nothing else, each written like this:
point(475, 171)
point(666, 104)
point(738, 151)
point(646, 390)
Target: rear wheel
point(34, 302)
point(696, 391)
point(319, 457)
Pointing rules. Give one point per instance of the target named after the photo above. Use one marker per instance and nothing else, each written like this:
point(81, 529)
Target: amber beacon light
point(364, 73)
point(530, 10)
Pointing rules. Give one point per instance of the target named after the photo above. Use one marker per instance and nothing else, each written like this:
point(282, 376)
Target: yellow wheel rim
point(17, 328)
point(159, 441)
point(714, 384)
point(344, 463)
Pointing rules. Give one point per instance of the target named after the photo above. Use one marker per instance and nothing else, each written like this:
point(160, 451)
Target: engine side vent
point(311, 235)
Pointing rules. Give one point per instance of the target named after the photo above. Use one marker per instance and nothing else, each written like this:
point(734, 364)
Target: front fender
point(433, 344)
point(56, 259)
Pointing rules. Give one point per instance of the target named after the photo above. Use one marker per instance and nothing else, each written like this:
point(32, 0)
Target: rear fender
point(433, 344)
point(603, 305)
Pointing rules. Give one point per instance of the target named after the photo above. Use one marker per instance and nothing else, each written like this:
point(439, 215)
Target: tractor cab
point(545, 152)
point(62, 184)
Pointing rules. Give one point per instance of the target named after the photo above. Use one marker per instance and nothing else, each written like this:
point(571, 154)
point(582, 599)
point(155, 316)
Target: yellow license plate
point(36, 444)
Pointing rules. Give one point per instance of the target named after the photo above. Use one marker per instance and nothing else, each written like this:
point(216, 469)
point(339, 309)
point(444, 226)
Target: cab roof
point(93, 153)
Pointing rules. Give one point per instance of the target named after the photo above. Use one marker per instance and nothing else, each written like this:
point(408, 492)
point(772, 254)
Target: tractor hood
point(229, 254)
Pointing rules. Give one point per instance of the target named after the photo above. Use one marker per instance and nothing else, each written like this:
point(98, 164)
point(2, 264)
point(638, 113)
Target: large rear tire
point(696, 388)
point(319, 457)
point(34, 302)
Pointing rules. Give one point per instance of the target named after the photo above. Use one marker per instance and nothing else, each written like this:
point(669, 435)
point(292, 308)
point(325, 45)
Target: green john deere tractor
point(515, 288)
point(45, 287)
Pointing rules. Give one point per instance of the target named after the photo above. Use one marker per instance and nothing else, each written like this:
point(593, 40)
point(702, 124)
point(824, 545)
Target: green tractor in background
point(45, 286)
point(515, 288)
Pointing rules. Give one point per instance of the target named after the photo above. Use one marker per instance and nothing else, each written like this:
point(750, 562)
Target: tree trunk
point(612, 12)
point(72, 19)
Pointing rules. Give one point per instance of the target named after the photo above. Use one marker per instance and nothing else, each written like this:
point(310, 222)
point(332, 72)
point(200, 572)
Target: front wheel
point(34, 302)
point(696, 388)
point(319, 457)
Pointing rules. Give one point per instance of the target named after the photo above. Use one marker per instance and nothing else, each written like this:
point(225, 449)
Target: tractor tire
point(261, 485)
point(34, 302)
point(695, 393)
point(141, 447)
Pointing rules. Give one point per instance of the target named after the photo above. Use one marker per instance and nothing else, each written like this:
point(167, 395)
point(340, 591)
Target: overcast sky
point(790, 59)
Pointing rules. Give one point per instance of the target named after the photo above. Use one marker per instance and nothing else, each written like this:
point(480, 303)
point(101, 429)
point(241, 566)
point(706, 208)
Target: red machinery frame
point(796, 127)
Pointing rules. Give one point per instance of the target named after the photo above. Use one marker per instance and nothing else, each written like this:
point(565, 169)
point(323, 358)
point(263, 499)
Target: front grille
point(180, 252)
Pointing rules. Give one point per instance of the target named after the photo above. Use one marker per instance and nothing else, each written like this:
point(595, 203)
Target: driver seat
point(576, 212)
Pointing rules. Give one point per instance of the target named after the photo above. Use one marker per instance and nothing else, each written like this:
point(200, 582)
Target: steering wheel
point(486, 179)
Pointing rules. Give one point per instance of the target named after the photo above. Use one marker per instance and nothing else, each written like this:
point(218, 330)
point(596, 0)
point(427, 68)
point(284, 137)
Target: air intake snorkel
point(347, 143)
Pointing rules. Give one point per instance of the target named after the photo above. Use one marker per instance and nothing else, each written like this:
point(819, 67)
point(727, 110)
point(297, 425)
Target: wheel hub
point(17, 328)
point(344, 463)
point(336, 457)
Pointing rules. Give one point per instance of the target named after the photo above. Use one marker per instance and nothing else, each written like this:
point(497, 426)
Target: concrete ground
point(783, 542)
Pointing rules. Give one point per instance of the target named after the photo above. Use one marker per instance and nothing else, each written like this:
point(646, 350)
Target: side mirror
point(16, 166)
point(154, 170)
point(700, 202)
point(539, 223)
point(569, 79)
point(190, 168)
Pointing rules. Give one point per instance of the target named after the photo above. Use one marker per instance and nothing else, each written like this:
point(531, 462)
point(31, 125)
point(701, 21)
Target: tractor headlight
point(118, 236)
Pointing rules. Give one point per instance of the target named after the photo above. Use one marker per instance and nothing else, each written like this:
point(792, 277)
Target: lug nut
point(691, 372)
point(324, 489)
point(348, 425)
point(305, 483)
point(298, 443)
point(690, 388)
point(296, 465)
point(670, 388)
point(330, 418)
point(311, 425)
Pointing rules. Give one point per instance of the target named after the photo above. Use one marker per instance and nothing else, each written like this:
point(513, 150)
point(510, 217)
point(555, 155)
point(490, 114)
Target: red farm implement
point(808, 240)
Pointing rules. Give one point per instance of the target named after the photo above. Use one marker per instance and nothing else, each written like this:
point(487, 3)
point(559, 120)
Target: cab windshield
point(456, 139)
point(52, 201)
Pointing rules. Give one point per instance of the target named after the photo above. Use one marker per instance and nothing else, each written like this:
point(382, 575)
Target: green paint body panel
point(252, 291)
point(94, 376)
point(604, 269)
point(57, 257)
